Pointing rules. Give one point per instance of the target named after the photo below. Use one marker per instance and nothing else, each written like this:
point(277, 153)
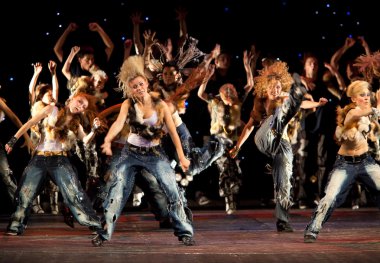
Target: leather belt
point(51, 153)
point(143, 149)
point(355, 158)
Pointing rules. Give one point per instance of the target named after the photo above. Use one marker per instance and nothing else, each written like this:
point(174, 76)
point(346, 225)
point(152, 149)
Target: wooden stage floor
point(247, 236)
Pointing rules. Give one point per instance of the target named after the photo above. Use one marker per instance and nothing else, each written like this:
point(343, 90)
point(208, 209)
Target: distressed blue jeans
point(6, 174)
point(340, 181)
point(64, 176)
point(131, 162)
point(270, 142)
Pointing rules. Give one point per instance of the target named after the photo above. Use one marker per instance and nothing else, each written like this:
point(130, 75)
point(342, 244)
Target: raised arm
point(66, 67)
point(58, 50)
point(54, 80)
point(32, 85)
point(181, 17)
point(202, 88)
point(247, 58)
point(136, 21)
point(334, 61)
point(95, 27)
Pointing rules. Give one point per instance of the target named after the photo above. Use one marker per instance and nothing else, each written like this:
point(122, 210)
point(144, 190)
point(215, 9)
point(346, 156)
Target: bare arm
point(247, 58)
point(32, 85)
point(202, 88)
point(127, 48)
point(116, 127)
point(87, 138)
point(106, 39)
point(33, 121)
point(339, 53)
point(136, 21)
point(308, 104)
point(13, 117)
point(66, 67)
point(175, 138)
point(112, 109)
point(181, 16)
point(248, 128)
point(62, 39)
point(53, 70)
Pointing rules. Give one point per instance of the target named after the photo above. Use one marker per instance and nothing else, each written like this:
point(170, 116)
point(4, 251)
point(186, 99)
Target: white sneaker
point(137, 199)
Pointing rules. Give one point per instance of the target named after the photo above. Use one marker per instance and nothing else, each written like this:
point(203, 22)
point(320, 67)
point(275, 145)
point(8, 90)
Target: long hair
point(278, 71)
point(132, 67)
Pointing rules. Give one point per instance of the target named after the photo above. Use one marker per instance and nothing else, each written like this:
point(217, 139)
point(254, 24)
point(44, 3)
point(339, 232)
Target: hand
point(106, 148)
point(96, 124)
point(234, 152)
point(28, 143)
point(185, 163)
point(52, 66)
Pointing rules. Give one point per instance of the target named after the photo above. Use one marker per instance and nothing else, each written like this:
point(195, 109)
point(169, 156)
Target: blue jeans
point(6, 174)
point(148, 183)
point(269, 141)
point(132, 162)
point(341, 179)
point(64, 176)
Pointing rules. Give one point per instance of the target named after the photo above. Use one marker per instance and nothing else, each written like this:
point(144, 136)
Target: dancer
point(357, 125)
point(60, 128)
point(273, 108)
point(146, 116)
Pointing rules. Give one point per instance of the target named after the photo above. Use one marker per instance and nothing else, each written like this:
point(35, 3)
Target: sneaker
point(97, 241)
point(203, 200)
point(137, 199)
point(283, 226)
point(309, 238)
point(187, 241)
point(12, 233)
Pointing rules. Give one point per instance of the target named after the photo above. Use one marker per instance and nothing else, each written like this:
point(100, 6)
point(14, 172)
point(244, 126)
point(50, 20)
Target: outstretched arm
point(24, 128)
point(13, 117)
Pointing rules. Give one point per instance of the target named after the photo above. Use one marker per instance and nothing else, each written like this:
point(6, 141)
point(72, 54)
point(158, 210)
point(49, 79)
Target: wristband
point(12, 142)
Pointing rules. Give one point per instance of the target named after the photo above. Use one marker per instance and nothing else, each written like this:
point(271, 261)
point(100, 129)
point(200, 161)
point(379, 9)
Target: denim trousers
point(340, 181)
point(61, 172)
point(129, 164)
point(269, 140)
point(6, 174)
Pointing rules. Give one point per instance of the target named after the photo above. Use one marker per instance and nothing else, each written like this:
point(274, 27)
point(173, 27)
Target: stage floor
point(247, 236)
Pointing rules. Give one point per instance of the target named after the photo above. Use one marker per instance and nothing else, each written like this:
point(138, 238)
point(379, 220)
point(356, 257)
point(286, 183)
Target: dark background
point(285, 29)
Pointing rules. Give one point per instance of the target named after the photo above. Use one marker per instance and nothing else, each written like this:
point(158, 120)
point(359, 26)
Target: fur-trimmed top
point(367, 127)
point(136, 120)
point(225, 120)
point(56, 129)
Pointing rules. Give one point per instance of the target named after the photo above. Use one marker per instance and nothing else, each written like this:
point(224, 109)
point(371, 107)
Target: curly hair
point(278, 71)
